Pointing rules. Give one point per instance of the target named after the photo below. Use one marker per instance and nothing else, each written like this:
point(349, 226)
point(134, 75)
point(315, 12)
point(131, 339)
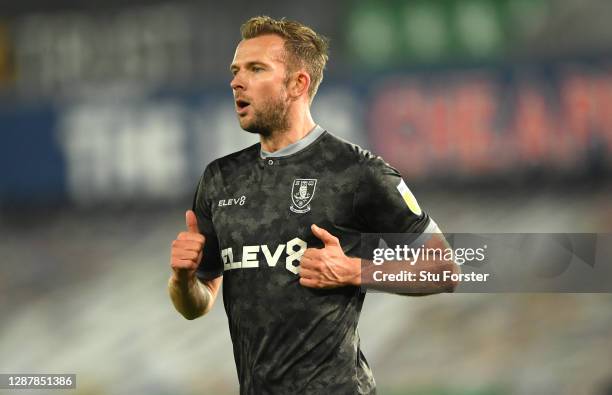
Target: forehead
point(266, 48)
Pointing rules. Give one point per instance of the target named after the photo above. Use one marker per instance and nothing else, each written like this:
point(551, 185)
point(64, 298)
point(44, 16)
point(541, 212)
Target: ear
point(299, 84)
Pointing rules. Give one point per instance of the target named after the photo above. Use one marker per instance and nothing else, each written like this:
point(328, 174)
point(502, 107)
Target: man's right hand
point(187, 249)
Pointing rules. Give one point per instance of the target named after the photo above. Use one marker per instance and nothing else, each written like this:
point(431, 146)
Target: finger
point(189, 245)
point(306, 282)
point(307, 256)
point(327, 238)
point(177, 263)
point(191, 236)
point(311, 253)
point(305, 264)
point(311, 264)
point(185, 254)
point(192, 222)
point(308, 274)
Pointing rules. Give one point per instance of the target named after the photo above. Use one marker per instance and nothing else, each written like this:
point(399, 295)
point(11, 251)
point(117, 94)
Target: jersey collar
point(295, 147)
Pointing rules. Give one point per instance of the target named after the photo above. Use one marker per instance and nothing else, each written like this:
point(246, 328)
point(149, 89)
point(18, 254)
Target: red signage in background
point(474, 124)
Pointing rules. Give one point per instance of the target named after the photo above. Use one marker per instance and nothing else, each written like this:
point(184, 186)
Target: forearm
point(190, 297)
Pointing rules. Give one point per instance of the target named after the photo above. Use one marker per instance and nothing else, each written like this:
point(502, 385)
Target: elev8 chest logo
point(233, 201)
point(252, 255)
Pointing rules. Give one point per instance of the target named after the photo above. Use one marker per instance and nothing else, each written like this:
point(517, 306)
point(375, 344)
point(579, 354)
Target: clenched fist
point(187, 249)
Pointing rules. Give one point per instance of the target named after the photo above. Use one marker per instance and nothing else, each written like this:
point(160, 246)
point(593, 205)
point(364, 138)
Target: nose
point(237, 82)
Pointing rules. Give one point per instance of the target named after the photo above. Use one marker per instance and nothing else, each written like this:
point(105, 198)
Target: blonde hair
point(303, 46)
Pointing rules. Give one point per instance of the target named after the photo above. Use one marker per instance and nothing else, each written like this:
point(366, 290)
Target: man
point(280, 224)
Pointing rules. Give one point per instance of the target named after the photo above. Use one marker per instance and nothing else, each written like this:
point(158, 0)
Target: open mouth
point(241, 105)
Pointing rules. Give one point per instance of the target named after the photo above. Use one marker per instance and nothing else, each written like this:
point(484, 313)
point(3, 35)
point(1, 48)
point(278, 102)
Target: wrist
point(355, 263)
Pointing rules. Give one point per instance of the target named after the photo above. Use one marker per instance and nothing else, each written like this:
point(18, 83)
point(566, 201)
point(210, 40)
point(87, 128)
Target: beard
point(271, 117)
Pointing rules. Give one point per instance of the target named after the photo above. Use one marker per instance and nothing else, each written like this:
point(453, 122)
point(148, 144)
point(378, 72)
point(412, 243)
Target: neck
point(299, 126)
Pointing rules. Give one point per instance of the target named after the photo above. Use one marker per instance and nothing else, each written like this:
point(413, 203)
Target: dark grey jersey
point(256, 215)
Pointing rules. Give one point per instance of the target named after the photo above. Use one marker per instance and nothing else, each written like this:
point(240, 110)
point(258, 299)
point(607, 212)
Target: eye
point(257, 69)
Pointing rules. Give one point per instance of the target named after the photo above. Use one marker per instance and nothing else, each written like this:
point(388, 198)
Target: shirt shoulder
point(236, 160)
point(350, 159)
point(229, 168)
point(342, 148)
point(382, 199)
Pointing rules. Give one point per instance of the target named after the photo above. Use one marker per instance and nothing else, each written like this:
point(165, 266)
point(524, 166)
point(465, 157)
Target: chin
point(246, 125)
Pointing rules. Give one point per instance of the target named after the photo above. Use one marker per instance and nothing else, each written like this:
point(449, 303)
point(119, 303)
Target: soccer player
point(280, 224)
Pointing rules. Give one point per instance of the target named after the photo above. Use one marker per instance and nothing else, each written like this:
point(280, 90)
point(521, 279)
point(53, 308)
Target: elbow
point(197, 312)
point(191, 315)
point(189, 312)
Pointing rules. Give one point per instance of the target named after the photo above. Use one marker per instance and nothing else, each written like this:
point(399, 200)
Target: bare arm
point(191, 297)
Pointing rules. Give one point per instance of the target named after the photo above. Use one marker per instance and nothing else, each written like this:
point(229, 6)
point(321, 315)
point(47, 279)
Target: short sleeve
point(385, 203)
point(211, 265)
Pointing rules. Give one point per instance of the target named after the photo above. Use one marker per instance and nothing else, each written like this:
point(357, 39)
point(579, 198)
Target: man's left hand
point(328, 267)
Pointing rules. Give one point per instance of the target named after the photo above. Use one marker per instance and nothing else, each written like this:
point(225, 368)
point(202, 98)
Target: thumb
point(327, 238)
point(192, 221)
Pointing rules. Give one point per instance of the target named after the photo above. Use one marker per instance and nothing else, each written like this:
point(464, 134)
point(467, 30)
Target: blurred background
point(497, 112)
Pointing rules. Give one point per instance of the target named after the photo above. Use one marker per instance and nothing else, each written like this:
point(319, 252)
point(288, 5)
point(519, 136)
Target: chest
point(280, 199)
point(265, 215)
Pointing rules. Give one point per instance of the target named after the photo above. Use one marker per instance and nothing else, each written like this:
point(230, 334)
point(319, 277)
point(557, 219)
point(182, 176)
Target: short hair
point(303, 46)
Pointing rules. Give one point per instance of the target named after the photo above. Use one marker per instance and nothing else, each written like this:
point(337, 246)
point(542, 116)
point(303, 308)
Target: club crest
point(301, 194)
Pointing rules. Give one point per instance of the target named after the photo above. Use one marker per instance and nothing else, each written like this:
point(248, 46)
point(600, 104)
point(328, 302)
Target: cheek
point(273, 88)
